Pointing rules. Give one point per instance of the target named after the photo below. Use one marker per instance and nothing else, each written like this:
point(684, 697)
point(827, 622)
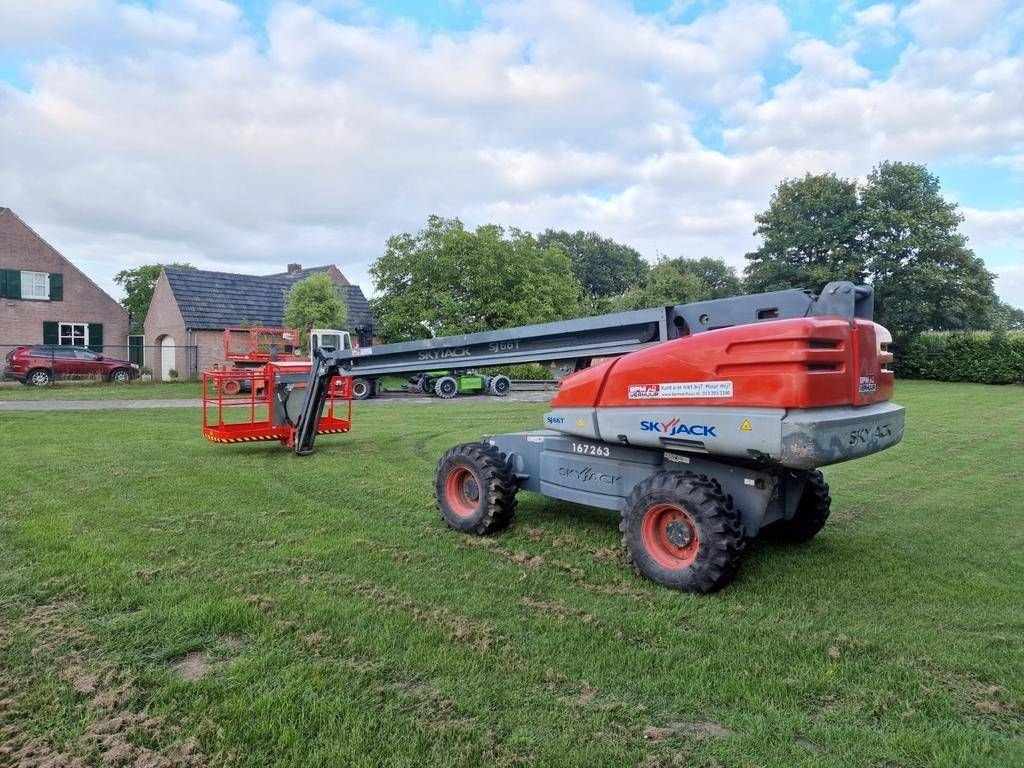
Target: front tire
point(812, 511)
point(446, 387)
point(40, 377)
point(475, 489)
point(121, 376)
point(500, 385)
point(362, 389)
point(681, 531)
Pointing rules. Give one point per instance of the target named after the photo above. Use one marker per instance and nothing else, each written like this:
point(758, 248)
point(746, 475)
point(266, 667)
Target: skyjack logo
point(674, 427)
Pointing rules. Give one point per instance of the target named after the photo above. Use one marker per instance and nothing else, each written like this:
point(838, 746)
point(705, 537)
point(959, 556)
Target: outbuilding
point(190, 309)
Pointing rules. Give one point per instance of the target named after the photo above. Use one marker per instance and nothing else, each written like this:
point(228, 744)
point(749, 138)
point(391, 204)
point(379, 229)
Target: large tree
point(314, 303)
point(138, 285)
point(446, 279)
point(679, 281)
point(925, 276)
point(810, 235)
point(718, 278)
point(603, 267)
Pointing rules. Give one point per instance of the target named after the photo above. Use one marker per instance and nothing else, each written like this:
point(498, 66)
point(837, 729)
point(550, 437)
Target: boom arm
point(571, 343)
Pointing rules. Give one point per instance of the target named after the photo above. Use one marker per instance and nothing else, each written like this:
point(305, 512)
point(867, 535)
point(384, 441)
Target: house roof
point(215, 300)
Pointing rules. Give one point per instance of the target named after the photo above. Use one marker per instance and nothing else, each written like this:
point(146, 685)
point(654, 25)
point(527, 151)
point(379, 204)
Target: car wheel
point(40, 377)
point(121, 376)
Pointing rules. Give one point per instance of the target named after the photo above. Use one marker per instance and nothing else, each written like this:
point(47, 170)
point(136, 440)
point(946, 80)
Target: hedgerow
point(984, 357)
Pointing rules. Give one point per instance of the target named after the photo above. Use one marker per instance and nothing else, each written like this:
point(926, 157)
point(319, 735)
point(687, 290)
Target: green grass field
point(162, 596)
point(102, 390)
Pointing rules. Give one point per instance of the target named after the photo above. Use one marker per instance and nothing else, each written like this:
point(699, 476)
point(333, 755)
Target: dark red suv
point(42, 364)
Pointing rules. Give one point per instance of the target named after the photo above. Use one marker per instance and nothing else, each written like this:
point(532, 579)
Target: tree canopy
point(811, 235)
point(924, 274)
point(446, 280)
point(138, 285)
point(314, 303)
point(602, 266)
point(682, 280)
point(896, 231)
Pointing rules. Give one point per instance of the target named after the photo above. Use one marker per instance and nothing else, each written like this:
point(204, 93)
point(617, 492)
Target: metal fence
point(42, 364)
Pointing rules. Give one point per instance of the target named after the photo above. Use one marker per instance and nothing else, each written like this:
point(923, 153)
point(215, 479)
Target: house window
point(74, 334)
point(35, 285)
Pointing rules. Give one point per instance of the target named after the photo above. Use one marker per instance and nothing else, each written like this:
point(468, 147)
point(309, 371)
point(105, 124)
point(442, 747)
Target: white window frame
point(61, 334)
point(35, 286)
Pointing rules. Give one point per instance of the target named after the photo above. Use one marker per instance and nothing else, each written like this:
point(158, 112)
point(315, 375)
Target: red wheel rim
point(462, 491)
point(670, 536)
point(232, 387)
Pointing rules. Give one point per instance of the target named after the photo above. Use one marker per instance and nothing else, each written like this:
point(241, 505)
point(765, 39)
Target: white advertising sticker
point(680, 390)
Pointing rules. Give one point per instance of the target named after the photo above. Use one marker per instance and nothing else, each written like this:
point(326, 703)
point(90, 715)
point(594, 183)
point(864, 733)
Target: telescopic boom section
point(571, 344)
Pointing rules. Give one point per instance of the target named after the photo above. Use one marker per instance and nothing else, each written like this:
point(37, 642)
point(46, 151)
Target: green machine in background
point(448, 384)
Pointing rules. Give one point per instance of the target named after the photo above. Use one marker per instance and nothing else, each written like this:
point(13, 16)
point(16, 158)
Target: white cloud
point(881, 15)
point(173, 133)
point(950, 22)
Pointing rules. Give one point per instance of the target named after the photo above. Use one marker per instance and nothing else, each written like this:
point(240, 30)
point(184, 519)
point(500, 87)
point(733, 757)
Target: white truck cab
point(329, 340)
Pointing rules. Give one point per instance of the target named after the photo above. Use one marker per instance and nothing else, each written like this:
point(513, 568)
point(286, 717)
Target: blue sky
point(246, 135)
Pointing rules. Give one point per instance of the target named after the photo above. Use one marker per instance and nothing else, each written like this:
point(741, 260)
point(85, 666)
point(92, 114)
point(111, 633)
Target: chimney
point(293, 268)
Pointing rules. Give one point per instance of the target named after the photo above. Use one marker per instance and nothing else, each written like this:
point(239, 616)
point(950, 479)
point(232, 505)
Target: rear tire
point(446, 387)
point(40, 377)
point(681, 531)
point(500, 385)
point(475, 489)
point(362, 389)
point(812, 512)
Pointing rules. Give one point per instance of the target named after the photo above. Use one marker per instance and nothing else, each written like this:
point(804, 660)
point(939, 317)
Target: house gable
point(24, 249)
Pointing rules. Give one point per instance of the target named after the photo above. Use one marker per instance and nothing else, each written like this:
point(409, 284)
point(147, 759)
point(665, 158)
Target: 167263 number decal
point(591, 450)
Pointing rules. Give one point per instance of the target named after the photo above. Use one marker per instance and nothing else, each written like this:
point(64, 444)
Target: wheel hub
point(670, 536)
point(678, 533)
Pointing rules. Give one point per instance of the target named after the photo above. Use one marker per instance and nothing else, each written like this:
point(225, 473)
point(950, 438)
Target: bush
point(524, 371)
point(985, 357)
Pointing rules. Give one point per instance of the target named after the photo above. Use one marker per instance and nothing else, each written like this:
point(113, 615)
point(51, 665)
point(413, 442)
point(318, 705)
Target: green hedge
point(525, 371)
point(983, 357)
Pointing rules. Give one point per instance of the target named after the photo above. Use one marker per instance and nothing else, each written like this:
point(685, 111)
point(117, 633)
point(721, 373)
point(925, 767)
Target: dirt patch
point(477, 635)
point(609, 555)
point(192, 666)
point(524, 558)
point(699, 730)
point(196, 665)
point(116, 730)
point(559, 609)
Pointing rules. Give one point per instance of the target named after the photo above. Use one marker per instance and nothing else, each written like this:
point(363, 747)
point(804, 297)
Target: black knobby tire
point(362, 389)
point(475, 489)
point(500, 385)
point(446, 387)
point(812, 511)
point(681, 531)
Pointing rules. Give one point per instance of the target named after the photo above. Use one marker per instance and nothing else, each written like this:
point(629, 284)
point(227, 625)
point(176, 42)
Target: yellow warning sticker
point(745, 426)
point(579, 423)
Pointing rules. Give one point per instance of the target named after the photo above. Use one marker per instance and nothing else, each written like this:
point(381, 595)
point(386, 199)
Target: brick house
point(192, 307)
point(45, 299)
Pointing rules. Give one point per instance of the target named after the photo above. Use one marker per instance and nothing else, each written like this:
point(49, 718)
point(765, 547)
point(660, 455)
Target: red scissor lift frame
point(246, 398)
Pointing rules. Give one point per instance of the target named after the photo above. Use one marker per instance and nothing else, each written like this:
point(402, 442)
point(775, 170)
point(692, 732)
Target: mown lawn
point(167, 599)
point(104, 390)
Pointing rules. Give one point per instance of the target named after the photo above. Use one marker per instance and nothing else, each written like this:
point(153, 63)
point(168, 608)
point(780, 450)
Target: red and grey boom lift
point(707, 427)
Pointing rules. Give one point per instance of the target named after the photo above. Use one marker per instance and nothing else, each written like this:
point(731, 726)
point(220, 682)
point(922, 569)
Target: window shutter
point(51, 333)
point(96, 337)
point(56, 286)
point(11, 284)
